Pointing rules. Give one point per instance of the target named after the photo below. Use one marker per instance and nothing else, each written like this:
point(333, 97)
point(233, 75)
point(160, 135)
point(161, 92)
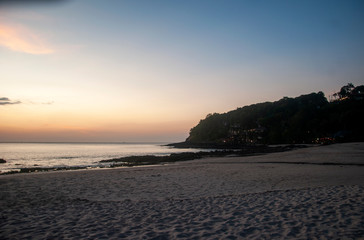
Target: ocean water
point(30, 155)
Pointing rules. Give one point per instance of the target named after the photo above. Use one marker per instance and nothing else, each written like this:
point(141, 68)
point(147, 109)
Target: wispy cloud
point(43, 103)
point(7, 101)
point(27, 2)
point(20, 39)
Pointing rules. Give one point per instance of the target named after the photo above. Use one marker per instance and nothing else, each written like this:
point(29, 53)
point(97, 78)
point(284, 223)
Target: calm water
point(28, 155)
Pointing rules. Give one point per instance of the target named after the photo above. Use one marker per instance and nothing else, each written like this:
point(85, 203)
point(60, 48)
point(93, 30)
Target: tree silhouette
point(289, 120)
point(346, 91)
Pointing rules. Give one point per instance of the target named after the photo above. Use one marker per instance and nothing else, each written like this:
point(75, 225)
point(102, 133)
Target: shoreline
point(145, 160)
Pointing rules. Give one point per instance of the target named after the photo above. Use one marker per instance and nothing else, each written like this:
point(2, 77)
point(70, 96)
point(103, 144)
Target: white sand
point(213, 198)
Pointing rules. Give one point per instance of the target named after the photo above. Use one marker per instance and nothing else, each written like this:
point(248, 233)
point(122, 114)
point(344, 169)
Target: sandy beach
point(309, 193)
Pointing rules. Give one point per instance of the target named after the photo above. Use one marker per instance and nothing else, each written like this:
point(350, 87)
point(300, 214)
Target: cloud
point(28, 2)
point(48, 103)
point(7, 101)
point(43, 103)
point(20, 39)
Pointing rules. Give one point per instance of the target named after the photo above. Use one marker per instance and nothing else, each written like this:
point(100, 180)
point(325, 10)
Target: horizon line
point(63, 142)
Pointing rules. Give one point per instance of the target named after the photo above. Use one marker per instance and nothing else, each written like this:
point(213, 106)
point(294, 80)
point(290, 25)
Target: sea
point(87, 155)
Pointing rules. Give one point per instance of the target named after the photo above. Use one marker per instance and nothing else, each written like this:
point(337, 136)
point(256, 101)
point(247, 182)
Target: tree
point(345, 91)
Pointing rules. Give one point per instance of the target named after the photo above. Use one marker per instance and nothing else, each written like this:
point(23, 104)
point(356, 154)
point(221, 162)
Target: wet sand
point(309, 193)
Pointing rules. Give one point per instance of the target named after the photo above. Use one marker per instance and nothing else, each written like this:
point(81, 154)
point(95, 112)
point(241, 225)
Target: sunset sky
point(132, 70)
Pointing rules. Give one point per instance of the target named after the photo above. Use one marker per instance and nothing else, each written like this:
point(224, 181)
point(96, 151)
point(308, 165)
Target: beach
point(307, 193)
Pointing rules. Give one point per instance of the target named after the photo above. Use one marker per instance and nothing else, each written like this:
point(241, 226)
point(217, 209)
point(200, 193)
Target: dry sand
point(271, 196)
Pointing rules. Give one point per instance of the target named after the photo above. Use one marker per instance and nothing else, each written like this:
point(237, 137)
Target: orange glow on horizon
point(62, 122)
point(81, 130)
point(91, 135)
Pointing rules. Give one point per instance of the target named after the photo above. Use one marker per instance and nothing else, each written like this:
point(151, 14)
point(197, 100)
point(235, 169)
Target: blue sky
point(84, 70)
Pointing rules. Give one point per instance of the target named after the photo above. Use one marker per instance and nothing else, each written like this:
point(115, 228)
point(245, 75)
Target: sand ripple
point(327, 212)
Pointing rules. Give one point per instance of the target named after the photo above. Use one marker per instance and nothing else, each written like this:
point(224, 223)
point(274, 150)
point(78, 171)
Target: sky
point(149, 70)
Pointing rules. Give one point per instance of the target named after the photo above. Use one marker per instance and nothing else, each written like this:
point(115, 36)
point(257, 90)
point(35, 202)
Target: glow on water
point(30, 155)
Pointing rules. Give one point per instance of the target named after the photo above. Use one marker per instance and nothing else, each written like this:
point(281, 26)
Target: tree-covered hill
point(304, 119)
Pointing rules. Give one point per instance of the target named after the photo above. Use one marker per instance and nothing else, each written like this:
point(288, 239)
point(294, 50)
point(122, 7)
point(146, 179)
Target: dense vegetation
point(304, 119)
